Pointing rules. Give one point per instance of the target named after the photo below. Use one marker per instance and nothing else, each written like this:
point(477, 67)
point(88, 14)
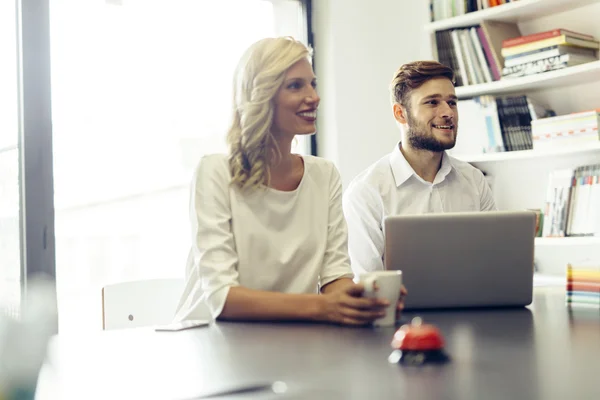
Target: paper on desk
point(179, 326)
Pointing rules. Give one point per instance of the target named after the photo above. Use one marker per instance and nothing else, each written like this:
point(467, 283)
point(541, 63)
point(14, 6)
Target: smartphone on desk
point(179, 326)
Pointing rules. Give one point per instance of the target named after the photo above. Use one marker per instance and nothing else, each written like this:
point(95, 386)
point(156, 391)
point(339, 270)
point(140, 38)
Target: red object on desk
point(418, 337)
point(417, 343)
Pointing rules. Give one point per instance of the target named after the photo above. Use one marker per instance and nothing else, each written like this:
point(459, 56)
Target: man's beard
point(420, 139)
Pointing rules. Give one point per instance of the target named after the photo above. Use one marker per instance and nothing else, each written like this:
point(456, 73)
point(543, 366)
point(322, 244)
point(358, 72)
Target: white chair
point(140, 303)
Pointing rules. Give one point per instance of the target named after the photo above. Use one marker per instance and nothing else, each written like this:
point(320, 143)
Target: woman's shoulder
point(320, 164)
point(322, 172)
point(213, 166)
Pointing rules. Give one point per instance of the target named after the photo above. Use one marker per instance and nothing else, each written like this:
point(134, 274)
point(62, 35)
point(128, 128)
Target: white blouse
point(266, 239)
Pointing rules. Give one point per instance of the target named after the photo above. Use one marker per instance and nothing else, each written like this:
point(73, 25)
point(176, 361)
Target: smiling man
point(418, 176)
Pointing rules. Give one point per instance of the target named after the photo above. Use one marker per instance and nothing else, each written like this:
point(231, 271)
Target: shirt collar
point(402, 170)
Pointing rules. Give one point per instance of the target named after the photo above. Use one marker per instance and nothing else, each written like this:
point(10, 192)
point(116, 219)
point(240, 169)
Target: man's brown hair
point(412, 75)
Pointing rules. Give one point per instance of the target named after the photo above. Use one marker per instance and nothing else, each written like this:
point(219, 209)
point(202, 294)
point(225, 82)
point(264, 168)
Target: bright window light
point(140, 90)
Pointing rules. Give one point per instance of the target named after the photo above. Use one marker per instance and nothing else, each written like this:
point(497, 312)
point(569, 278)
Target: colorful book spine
point(555, 41)
point(544, 35)
point(583, 286)
point(495, 69)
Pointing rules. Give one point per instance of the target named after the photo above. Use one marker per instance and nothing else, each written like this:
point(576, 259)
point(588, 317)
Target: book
point(583, 285)
point(564, 125)
point(564, 49)
point(447, 55)
point(460, 57)
point(495, 68)
point(492, 124)
point(442, 9)
point(577, 131)
point(474, 52)
point(548, 52)
point(557, 40)
point(516, 41)
point(547, 64)
point(557, 203)
point(481, 61)
point(472, 135)
point(495, 32)
point(568, 117)
point(474, 77)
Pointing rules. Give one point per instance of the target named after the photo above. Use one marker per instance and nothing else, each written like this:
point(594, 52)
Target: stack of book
point(578, 128)
point(474, 53)
point(547, 51)
point(572, 199)
point(491, 124)
point(583, 286)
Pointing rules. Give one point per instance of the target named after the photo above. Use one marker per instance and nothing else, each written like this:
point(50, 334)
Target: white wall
point(359, 45)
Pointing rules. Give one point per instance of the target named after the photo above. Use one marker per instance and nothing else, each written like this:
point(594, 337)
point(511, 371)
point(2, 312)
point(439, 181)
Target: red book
point(544, 35)
point(584, 287)
point(489, 55)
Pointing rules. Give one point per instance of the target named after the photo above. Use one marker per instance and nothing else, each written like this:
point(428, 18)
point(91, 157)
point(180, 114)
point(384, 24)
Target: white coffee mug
point(383, 285)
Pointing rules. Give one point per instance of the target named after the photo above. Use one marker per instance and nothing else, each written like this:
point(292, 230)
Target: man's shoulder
point(463, 167)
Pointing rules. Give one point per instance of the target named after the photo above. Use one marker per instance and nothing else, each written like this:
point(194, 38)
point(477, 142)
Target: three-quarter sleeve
point(212, 264)
point(336, 262)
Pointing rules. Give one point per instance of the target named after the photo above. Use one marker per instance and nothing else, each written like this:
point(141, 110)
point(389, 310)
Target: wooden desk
point(540, 352)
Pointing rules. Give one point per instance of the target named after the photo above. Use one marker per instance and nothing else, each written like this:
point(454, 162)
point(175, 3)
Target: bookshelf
point(512, 12)
point(576, 75)
point(531, 154)
point(567, 241)
point(520, 178)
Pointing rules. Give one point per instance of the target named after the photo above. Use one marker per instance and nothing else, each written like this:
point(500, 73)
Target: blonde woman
point(270, 239)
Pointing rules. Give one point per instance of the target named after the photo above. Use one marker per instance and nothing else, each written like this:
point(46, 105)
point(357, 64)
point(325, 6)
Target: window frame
point(36, 206)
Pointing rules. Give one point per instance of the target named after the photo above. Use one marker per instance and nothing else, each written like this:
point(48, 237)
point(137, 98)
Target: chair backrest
point(140, 303)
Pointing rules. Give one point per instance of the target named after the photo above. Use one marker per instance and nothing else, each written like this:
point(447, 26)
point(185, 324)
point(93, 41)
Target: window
point(10, 258)
point(140, 89)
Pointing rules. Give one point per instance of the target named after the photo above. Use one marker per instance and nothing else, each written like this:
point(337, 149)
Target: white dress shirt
point(391, 187)
point(266, 239)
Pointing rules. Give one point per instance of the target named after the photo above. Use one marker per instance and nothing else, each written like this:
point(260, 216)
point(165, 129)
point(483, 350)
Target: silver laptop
point(468, 259)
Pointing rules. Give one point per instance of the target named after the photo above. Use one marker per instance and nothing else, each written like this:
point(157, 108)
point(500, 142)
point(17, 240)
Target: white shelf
point(512, 12)
point(529, 154)
point(567, 241)
point(578, 74)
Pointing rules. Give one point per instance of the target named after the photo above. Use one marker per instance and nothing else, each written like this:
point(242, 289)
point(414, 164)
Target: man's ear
point(400, 113)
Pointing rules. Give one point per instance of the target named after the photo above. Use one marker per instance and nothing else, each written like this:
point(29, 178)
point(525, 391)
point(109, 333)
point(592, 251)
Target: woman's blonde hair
point(258, 77)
